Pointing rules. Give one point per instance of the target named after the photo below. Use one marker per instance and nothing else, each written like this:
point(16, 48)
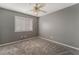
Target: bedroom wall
point(61, 26)
point(7, 26)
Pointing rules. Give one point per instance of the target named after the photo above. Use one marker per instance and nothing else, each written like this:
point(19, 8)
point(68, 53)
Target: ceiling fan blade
point(42, 11)
point(41, 6)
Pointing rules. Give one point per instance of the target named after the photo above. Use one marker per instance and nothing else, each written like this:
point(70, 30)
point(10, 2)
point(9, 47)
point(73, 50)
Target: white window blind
point(23, 24)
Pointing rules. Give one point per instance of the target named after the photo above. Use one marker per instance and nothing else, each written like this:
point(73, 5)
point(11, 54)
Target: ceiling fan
point(37, 8)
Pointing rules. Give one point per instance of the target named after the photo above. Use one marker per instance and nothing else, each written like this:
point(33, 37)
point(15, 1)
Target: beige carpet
point(34, 46)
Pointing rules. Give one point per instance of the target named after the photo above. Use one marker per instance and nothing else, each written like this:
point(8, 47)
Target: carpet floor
point(34, 46)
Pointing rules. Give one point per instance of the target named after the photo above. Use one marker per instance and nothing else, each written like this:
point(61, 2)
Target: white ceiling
point(26, 7)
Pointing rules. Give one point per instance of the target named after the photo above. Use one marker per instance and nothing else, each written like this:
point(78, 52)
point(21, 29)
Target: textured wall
point(62, 26)
point(7, 28)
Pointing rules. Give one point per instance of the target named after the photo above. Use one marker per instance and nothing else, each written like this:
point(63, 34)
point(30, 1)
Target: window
point(23, 24)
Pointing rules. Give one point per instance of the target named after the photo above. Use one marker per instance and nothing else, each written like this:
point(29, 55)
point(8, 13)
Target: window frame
point(25, 29)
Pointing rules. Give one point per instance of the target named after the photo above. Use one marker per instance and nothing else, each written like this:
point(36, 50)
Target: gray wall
point(7, 24)
point(61, 26)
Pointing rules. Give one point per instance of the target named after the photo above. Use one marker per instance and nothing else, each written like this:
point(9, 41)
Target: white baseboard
point(60, 43)
point(15, 42)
